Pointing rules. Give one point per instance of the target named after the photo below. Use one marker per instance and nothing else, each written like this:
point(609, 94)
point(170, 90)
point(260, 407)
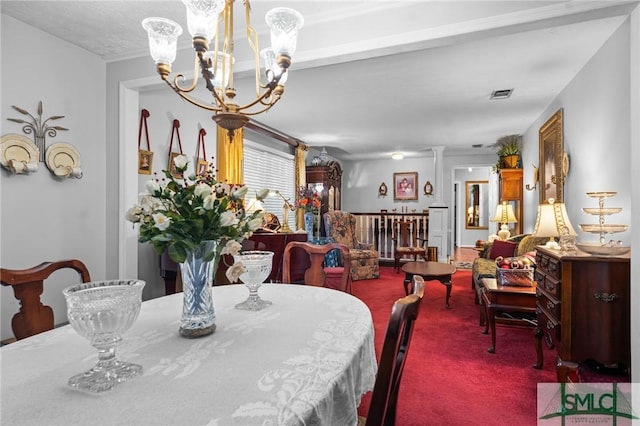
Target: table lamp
point(504, 215)
point(551, 221)
point(254, 205)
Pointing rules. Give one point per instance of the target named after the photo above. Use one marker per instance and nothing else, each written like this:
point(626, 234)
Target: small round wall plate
point(17, 147)
point(61, 158)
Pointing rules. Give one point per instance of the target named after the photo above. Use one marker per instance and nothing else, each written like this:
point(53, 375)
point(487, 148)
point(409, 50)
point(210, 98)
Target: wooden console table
point(583, 307)
point(497, 299)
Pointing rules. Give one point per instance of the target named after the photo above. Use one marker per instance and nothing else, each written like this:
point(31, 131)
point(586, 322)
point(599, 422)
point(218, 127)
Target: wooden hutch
point(510, 189)
point(329, 178)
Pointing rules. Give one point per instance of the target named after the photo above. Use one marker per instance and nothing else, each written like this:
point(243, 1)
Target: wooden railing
point(378, 228)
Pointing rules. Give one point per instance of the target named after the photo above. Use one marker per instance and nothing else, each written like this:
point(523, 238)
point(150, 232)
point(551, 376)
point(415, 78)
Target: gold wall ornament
point(38, 127)
point(382, 190)
point(536, 177)
point(428, 188)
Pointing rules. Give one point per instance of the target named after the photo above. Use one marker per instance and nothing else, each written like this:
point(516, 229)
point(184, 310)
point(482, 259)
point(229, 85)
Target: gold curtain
point(301, 179)
point(230, 156)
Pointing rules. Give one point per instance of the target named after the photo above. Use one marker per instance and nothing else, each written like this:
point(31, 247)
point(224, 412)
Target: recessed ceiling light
point(397, 156)
point(501, 94)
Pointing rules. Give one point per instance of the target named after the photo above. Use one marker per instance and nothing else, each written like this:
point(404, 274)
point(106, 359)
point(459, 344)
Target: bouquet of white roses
point(178, 215)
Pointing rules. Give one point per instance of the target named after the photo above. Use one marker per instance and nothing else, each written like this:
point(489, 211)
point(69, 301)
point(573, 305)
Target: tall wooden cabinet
point(329, 178)
point(510, 190)
point(583, 307)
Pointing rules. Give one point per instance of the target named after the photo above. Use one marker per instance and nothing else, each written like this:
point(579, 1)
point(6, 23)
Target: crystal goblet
point(256, 268)
point(101, 312)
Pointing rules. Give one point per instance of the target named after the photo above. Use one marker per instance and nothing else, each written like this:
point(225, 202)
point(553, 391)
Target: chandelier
point(214, 57)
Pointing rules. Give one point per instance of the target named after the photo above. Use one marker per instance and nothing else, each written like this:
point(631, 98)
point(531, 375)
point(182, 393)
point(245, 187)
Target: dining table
point(306, 360)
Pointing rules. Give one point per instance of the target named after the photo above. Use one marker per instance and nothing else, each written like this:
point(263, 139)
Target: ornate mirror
point(551, 172)
point(477, 204)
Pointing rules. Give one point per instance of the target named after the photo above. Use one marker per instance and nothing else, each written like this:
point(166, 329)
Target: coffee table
point(497, 298)
point(430, 271)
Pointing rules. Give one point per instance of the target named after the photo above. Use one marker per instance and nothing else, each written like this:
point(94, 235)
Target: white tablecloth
point(306, 360)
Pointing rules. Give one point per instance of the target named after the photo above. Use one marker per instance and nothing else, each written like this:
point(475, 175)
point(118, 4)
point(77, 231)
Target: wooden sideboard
point(583, 307)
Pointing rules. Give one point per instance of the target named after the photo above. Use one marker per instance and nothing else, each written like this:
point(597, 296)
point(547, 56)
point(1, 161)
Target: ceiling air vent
point(501, 94)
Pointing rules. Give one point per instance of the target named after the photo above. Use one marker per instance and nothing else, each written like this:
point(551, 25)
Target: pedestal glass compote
point(101, 312)
point(256, 268)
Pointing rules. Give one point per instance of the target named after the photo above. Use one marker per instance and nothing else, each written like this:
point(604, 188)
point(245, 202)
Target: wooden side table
point(430, 271)
point(498, 299)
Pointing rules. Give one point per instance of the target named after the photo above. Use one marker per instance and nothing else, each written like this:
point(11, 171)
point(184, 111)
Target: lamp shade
point(254, 205)
point(504, 214)
point(284, 24)
point(202, 17)
point(552, 219)
point(163, 39)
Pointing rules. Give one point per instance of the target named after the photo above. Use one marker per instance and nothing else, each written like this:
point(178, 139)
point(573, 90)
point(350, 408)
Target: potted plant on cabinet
point(509, 149)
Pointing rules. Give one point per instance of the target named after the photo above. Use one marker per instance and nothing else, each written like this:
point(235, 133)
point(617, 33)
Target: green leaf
point(177, 253)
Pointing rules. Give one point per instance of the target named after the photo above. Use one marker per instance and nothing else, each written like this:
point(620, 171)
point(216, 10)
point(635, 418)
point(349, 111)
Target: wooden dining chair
point(317, 275)
point(382, 408)
point(28, 285)
point(407, 242)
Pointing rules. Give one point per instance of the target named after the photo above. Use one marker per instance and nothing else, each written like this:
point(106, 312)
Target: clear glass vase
point(198, 316)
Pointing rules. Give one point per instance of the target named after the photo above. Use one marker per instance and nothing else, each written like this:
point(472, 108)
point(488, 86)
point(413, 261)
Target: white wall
point(468, 237)
point(601, 130)
point(43, 218)
point(361, 180)
point(596, 106)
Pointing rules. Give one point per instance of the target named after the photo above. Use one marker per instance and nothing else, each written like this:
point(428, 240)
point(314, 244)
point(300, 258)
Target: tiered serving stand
point(610, 248)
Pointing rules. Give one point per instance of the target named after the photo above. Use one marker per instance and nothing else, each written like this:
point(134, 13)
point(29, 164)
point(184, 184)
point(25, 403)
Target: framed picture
point(404, 186)
point(201, 167)
point(145, 162)
point(172, 165)
point(551, 173)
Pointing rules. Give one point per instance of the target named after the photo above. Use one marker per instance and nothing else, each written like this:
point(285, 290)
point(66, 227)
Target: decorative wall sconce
point(382, 190)
point(535, 179)
point(565, 170)
point(38, 127)
point(428, 188)
point(21, 155)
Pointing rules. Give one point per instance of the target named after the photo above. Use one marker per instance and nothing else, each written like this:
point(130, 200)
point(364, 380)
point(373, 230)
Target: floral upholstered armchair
point(341, 227)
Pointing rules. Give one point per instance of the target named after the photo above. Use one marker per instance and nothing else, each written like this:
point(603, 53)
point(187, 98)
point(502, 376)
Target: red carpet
point(449, 377)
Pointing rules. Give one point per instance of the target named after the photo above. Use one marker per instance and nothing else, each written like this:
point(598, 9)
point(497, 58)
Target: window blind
point(265, 167)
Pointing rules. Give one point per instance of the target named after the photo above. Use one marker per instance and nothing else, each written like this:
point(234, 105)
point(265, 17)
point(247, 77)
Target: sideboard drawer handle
point(550, 305)
point(605, 297)
point(550, 325)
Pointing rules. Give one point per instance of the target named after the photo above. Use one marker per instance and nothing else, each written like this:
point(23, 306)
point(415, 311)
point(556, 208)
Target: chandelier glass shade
point(210, 23)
